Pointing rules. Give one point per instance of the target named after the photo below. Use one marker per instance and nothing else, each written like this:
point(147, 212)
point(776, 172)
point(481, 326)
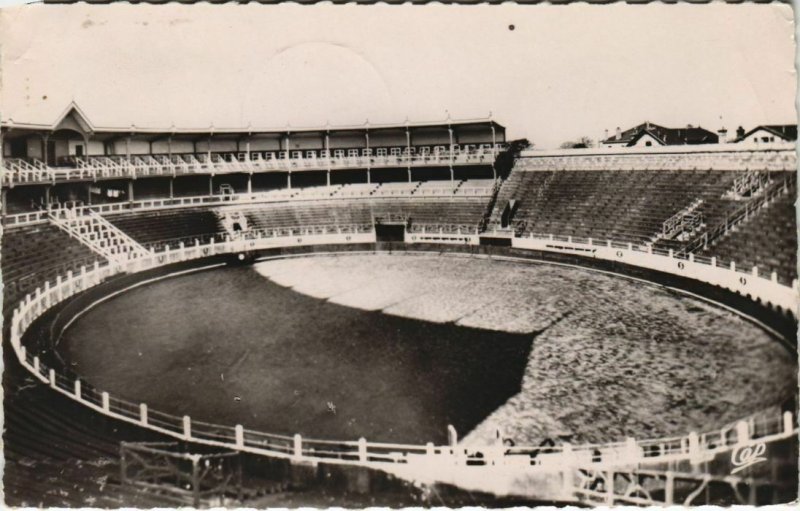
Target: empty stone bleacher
point(35, 254)
point(620, 205)
point(767, 239)
point(433, 211)
point(59, 454)
point(167, 227)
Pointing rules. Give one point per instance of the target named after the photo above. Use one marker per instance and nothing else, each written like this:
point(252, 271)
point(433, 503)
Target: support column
point(288, 161)
point(211, 185)
point(368, 150)
point(128, 148)
point(4, 193)
point(130, 191)
point(328, 148)
point(494, 151)
point(249, 180)
point(289, 180)
point(369, 158)
point(89, 194)
point(171, 186)
point(328, 152)
point(47, 196)
point(169, 148)
point(408, 151)
point(45, 152)
point(450, 132)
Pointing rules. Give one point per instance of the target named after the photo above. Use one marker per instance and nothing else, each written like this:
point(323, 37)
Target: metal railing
point(19, 171)
point(741, 214)
point(282, 195)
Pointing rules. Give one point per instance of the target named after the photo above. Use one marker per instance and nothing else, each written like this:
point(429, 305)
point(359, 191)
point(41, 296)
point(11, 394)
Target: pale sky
point(563, 72)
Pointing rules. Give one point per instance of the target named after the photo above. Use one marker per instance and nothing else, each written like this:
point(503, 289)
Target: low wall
point(736, 157)
point(750, 284)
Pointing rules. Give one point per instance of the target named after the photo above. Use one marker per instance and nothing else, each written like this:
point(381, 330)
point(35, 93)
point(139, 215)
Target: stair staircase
point(98, 234)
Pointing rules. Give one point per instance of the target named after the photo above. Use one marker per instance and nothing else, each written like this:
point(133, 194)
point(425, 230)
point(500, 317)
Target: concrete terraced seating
point(60, 454)
point(768, 239)
point(156, 229)
point(475, 186)
point(452, 211)
point(317, 213)
point(35, 254)
point(620, 205)
point(445, 211)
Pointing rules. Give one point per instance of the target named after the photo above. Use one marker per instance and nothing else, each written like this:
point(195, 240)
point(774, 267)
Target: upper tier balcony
point(17, 171)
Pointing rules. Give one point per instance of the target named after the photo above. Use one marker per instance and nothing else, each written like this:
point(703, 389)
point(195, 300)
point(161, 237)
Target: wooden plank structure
point(199, 480)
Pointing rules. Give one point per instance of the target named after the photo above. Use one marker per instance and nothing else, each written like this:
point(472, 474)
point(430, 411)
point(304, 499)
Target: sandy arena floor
point(610, 357)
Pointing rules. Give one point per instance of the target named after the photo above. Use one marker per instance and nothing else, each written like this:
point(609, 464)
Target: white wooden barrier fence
point(693, 447)
point(750, 281)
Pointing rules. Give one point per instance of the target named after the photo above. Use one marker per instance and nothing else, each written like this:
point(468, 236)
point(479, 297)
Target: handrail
point(18, 171)
point(692, 446)
point(740, 214)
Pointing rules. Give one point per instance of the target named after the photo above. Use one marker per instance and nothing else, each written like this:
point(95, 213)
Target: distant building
point(775, 133)
point(648, 134)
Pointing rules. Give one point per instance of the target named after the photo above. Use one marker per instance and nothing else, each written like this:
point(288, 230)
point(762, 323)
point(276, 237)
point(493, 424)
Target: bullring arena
point(410, 314)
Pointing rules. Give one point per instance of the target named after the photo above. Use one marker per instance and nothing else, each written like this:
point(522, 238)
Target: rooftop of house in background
point(768, 133)
point(654, 134)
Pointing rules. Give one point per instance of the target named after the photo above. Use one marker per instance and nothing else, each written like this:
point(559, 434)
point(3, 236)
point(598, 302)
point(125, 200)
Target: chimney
point(619, 133)
point(739, 132)
point(722, 133)
point(606, 137)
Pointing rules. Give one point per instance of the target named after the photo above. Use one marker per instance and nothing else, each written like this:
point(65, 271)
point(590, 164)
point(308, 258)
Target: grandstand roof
point(77, 115)
point(666, 136)
point(787, 132)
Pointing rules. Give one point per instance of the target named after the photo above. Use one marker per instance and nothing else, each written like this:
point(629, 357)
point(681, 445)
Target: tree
point(581, 143)
point(505, 160)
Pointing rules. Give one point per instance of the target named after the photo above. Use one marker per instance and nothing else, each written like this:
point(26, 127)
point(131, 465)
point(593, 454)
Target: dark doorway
point(79, 150)
point(389, 232)
point(51, 152)
point(19, 148)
